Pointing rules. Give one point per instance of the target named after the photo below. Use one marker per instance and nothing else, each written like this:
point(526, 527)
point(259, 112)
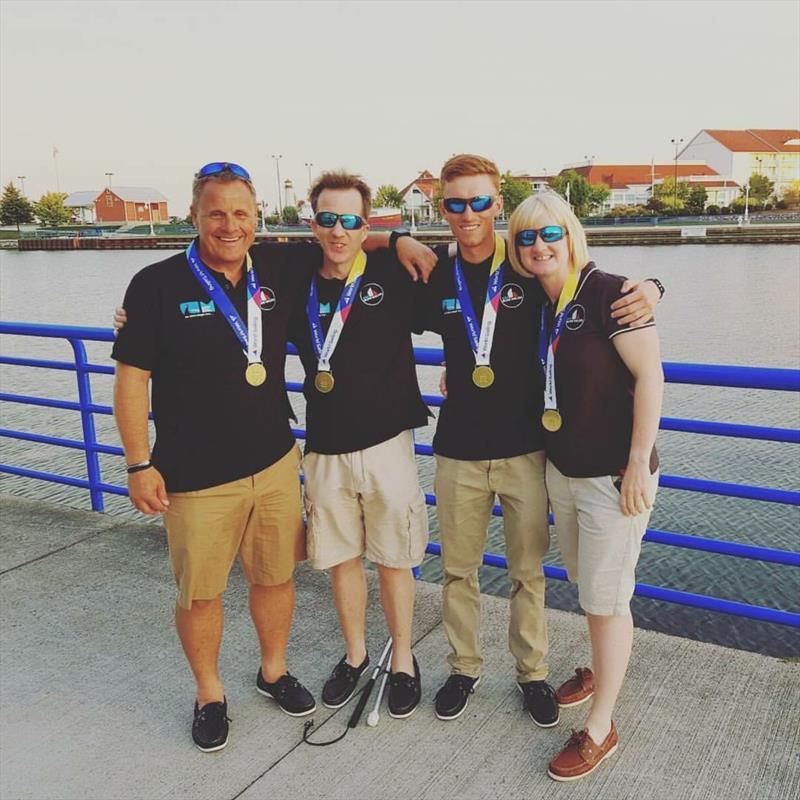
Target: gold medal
point(255, 374)
point(324, 382)
point(551, 419)
point(483, 376)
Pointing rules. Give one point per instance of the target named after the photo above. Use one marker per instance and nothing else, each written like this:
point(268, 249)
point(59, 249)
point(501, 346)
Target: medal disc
point(255, 374)
point(483, 376)
point(551, 419)
point(324, 382)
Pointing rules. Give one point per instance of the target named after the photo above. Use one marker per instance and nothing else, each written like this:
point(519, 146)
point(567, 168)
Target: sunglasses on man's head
point(216, 167)
point(327, 219)
point(458, 205)
point(550, 233)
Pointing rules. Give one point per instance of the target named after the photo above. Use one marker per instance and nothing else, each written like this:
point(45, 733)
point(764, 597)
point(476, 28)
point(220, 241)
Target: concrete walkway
point(95, 696)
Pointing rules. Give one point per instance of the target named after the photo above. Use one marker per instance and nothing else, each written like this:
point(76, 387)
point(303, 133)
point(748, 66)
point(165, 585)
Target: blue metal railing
point(699, 374)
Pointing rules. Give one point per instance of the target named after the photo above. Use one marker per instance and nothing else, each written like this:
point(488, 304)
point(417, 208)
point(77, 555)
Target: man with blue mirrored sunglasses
point(209, 328)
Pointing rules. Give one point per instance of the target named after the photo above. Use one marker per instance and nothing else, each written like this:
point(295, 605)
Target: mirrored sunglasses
point(327, 219)
point(458, 205)
point(550, 233)
point(216, 167)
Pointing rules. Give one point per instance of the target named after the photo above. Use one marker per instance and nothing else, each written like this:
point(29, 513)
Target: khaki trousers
point(465, 494)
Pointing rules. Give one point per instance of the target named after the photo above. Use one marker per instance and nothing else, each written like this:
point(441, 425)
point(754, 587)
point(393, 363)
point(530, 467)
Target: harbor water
point(725, 304)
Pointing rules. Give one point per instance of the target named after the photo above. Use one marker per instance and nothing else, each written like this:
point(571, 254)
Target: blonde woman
point(602, 404)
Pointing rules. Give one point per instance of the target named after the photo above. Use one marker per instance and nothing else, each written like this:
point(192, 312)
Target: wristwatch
point(395, 235)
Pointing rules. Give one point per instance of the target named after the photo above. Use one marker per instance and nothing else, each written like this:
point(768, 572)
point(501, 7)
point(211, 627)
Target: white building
point(738, 154)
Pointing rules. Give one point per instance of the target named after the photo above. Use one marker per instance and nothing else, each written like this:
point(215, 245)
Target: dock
point(96, 697)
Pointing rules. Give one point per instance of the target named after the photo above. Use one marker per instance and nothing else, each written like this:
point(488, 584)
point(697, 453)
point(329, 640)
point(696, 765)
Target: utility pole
point(676, 142)
point(22, 183)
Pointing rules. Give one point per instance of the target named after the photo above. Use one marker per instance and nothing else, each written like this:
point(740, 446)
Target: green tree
point(290, 216)
point(50, 209)
point(583, 196)
point(388, 196)
point(696, 201)
point(598, 194)
point(14, 207)
point(513, 192)
point(665, 193)
point(791, 197)
point(761, 188)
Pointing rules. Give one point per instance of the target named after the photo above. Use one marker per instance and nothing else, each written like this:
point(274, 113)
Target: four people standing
point(349, 312)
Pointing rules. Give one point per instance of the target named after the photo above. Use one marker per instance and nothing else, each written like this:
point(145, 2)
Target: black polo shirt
point(211, 425)
point(376, 394)
point(503, 420)
point(594, 388)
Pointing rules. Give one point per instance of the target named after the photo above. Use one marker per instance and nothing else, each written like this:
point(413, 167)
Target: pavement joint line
point(60, 549)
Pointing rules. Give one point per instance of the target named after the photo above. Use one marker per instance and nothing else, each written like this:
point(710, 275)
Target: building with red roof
point(774, 153)
point(632, 184)
point(420, 195)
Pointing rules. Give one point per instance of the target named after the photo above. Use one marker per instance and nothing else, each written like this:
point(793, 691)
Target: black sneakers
point(540, 702)
point(452, 698)
point(210, 726)
point(341, 685)
point(288, 693)
point(404, 693)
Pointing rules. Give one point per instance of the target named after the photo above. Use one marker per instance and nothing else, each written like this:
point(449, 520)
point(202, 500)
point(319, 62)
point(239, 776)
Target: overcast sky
point(152, 90)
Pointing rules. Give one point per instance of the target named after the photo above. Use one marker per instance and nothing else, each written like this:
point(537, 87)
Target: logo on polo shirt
point(450, 305)
point(576, 317)
point(197, 308)
point(371, 294)
point(267, 299)
point(512, 295)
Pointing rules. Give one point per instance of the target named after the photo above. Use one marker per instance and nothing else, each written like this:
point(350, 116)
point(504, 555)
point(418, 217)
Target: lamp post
point(278, 171)
point(263, 216)
point(22, 183)
point(747, 203)
point(677, 143)
point(109, 175)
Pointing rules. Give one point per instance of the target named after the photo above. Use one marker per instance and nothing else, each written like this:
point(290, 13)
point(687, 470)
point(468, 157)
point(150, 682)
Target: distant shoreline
point(598, 235)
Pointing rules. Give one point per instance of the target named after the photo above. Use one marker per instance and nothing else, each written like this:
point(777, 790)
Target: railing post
point(87, 421)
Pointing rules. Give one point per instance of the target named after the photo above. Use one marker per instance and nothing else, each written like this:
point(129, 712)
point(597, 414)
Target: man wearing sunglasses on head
point(352, 327)
point(209, 328)
point(489, 440)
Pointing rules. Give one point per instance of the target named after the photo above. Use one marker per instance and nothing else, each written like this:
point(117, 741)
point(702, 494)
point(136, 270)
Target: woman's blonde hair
point(547, 208)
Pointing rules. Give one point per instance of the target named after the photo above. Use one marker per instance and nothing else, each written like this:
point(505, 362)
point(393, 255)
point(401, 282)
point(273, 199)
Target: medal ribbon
point(324, 347)
point(481, 340)
point(249, 337)
point(548, 339)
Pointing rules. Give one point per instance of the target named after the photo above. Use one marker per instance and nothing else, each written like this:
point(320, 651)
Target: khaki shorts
point(366, 503)
point(258, 517)
point(599, 544)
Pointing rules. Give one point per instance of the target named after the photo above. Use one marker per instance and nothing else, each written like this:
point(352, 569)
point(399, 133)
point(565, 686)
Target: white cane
point(374, 715)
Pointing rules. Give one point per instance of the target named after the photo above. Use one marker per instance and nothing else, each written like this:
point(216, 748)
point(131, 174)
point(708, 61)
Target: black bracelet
point(394, 236)
point(139, 467)
point(659, 286)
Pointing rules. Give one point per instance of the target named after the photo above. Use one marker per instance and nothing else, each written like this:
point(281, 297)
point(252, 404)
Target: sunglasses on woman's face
point(458, 205)
point(216, 167)
point(550, 233)
point(327, 219)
